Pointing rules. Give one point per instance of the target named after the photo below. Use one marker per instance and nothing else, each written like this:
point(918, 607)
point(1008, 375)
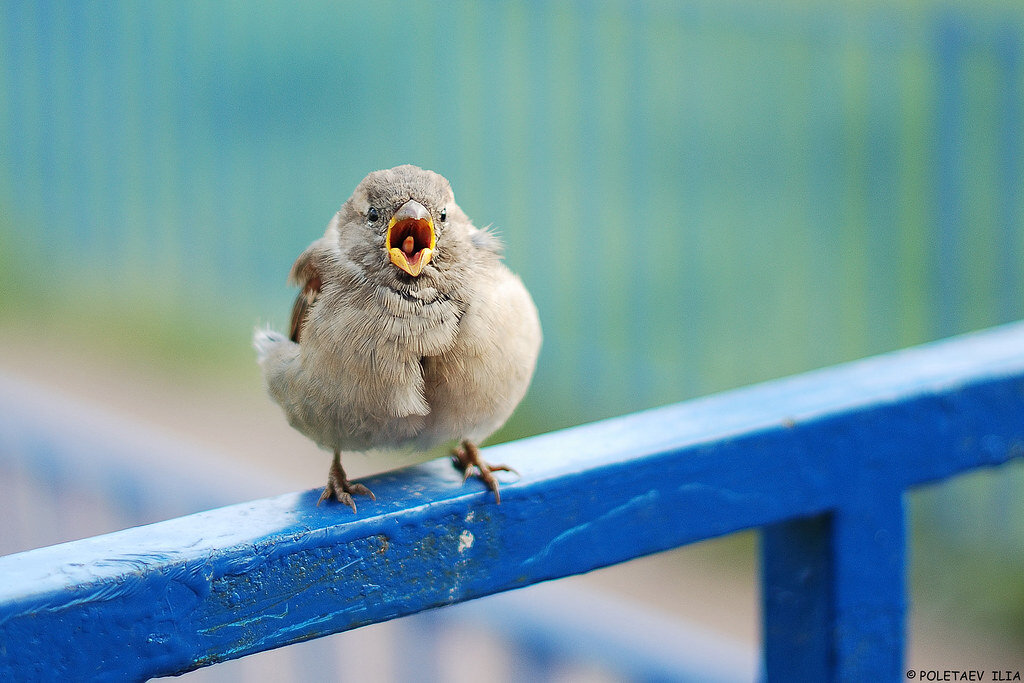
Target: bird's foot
point(467, 458)
point(341, 489)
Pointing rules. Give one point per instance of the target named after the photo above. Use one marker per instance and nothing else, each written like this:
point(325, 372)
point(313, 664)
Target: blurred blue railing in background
point(820, 461)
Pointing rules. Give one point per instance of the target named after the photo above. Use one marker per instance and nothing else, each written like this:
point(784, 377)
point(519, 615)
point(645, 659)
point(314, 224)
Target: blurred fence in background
point(699, 195)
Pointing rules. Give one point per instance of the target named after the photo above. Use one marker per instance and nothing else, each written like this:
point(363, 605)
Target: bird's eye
point(444, 215)
point(373, 215)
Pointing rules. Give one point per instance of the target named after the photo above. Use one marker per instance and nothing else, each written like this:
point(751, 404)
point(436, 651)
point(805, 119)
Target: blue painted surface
point(840, 444)
point(797, 572)
point(833, 597)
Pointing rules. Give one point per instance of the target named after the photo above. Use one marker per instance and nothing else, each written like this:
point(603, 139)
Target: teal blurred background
point(699, 195)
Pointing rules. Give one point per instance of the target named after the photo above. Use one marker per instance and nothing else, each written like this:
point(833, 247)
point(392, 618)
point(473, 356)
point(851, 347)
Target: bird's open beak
point(411, 237)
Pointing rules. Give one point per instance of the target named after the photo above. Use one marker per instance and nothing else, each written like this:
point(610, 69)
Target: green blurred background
point(699, 195)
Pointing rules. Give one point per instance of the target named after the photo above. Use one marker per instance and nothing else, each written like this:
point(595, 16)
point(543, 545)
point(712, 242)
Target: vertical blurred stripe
point(541, 262)
point(614, 250)
point(643, 254)
point(1009, 174)
point(916, 211)
point(947, 256)
point(881, 180)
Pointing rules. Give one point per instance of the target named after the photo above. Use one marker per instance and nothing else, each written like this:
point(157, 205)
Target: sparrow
point(409, 331)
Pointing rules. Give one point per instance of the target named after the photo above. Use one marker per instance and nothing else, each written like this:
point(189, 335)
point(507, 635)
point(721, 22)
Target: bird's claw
point(341, 489)
point(344, 495)
point(467, 459)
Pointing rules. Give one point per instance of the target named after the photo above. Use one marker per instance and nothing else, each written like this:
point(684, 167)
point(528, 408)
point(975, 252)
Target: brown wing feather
point(303, 302)
point(305, 274)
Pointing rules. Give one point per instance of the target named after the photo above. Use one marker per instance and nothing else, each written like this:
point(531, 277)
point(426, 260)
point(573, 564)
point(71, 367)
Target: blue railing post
point(796, 611)
point(833, 593)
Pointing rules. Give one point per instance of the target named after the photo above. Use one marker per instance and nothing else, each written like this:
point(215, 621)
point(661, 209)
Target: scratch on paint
point(245, 622)
point(346, 566)
point(643, 500)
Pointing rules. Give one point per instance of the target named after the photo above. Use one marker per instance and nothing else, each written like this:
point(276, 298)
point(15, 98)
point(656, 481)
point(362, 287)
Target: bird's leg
point(467, 458)
point(340, 488)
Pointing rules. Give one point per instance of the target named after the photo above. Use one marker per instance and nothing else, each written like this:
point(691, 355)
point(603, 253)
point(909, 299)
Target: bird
point(408, 331)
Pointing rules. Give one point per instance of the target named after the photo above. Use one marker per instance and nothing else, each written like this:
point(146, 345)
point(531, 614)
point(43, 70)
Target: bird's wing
point(306, 275)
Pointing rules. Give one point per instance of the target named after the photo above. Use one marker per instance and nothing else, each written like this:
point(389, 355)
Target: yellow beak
point(410, 238)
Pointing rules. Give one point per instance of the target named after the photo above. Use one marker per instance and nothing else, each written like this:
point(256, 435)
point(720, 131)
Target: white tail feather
point(264, 340)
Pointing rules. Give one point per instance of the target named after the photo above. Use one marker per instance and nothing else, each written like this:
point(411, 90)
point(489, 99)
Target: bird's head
point(403, 212)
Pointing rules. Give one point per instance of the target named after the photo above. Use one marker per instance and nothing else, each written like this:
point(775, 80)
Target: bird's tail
point(264, 340)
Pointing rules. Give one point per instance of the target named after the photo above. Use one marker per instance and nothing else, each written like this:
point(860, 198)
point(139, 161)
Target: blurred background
point(699, 195)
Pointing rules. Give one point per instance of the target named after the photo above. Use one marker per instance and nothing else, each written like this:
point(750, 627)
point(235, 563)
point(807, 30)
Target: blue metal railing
point(820, 461)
